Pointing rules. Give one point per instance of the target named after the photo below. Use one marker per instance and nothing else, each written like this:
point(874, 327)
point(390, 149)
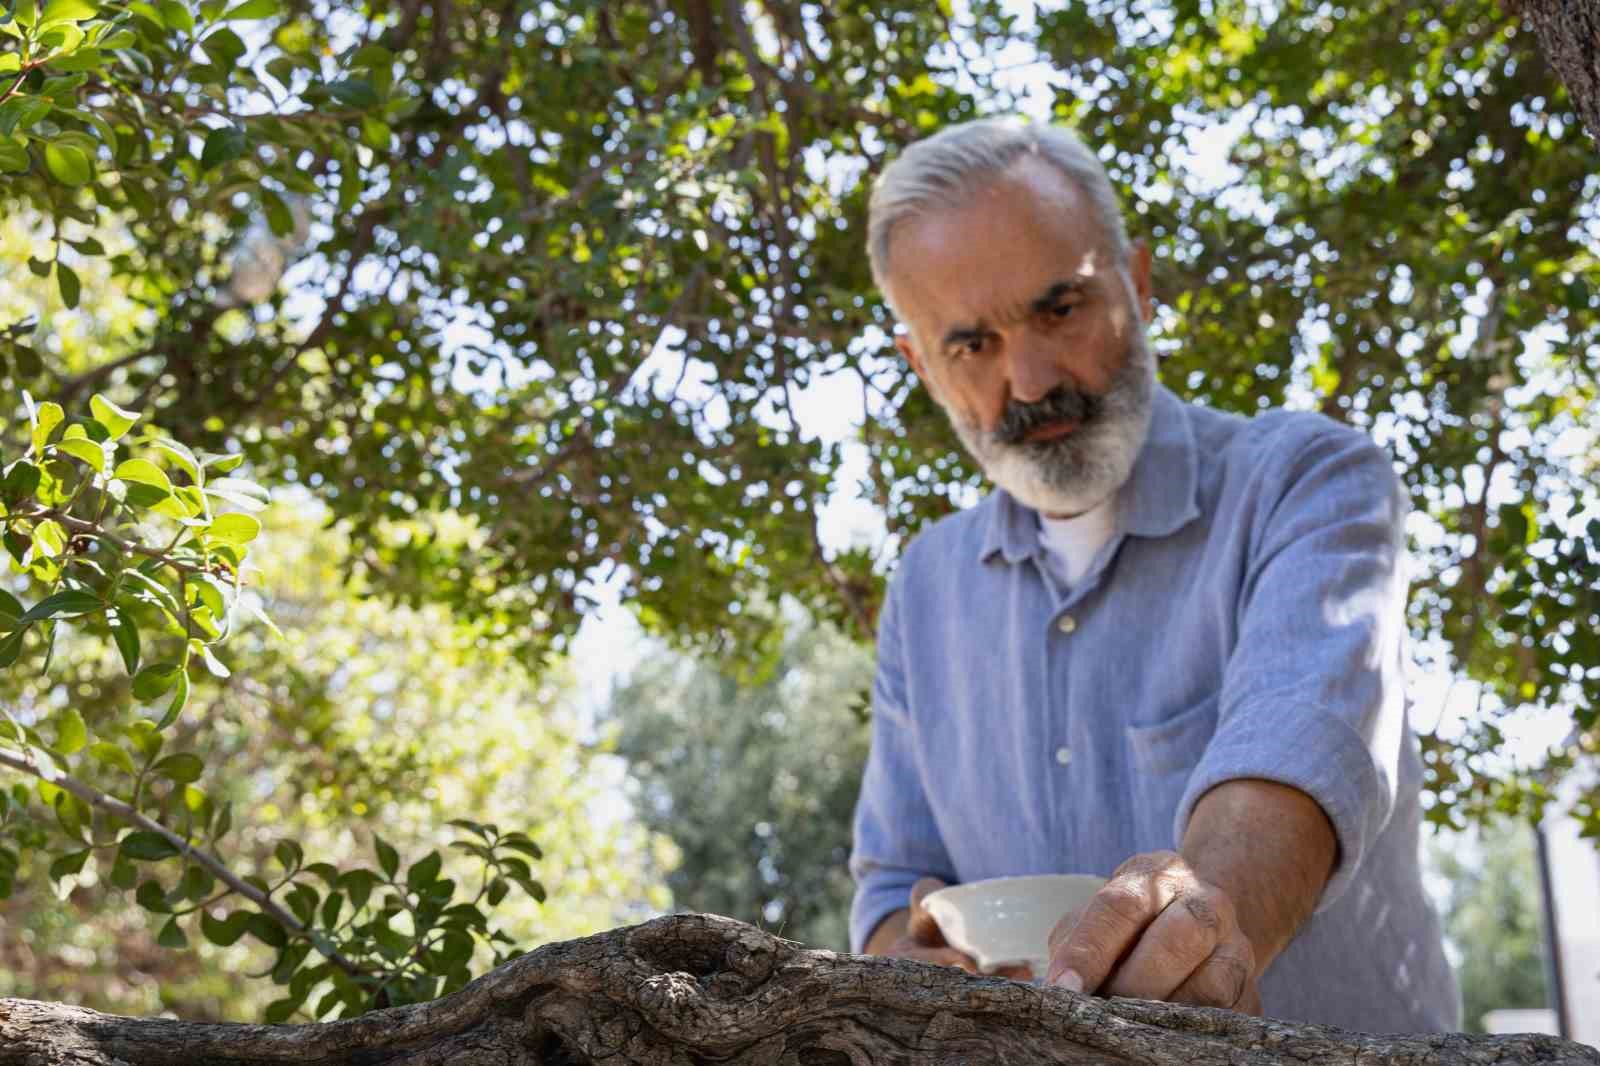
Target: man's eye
point(1062, 310)
point(968, 347)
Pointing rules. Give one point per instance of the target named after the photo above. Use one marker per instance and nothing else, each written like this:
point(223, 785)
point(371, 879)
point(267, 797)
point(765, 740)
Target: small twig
point(127, 547)
point(118, 809)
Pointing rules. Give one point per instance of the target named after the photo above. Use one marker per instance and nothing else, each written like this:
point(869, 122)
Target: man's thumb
point(921, 927)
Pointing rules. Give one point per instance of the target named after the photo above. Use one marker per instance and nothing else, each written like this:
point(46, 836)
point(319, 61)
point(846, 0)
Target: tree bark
point(1569, 36)
point(695, 989)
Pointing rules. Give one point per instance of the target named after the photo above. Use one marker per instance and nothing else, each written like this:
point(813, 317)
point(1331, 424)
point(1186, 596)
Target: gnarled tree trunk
point(1569, 37)
point(700, 989)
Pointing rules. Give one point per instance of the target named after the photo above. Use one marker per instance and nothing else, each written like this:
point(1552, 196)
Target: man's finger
point(1063, 928)
point(1172, 948)
point(1223, 980)
point(920, 926)
point(1109, 926)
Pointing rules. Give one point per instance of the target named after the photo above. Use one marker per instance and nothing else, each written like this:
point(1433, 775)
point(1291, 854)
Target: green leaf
point(145, 738)
point(289, 855)
point(245, 495)
point(10, 610)
point(214, 665)
point(182, 456)
point(251, 9)
point(155, 680)
point(27, 12)
point(330, 910)
point(82, 59)
point(266, 930)
point(71, 733)
point(356, 93)
point(358, 884)
point(13, 157)
point(123, 873)
point(224, 822)
point(59, 11)
point(279, 218)
point(424, 871)
point(171, 936)
point(224, 932)
point(520, 842)
point(455, 949)
point(224, 47)
point(10, 63)
point(112, 756)
point(12, 647)
point(46, 419)
point(66, 603)
point(71, 287)
point(69, 864)
point(68, 165)
point(177, 16)
point(143, 472)
point(115, 419)
point(126, 636)
point(182, 767)
point(221, 464)
point(146, 846)
point(388, 858)
point(87, 450)
point(180, 699)
point(234, 528)
point(223, 145)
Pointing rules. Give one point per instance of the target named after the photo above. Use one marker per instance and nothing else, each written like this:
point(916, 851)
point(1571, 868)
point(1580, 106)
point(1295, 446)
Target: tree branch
point(702, 988)
point(118, 809)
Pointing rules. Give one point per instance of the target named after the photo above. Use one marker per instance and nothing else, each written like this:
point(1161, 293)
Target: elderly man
point(1166, 649)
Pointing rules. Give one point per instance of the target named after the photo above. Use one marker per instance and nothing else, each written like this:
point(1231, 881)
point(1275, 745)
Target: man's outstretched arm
point(1201, 925)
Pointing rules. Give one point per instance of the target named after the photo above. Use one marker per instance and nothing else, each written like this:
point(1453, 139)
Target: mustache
point(1062, 403)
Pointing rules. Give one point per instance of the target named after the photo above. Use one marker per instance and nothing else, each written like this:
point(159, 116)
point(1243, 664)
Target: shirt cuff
point(878, 896)
point(1308, 749)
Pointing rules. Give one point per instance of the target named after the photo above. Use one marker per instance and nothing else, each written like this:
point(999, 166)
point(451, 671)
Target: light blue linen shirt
point(1245, 620)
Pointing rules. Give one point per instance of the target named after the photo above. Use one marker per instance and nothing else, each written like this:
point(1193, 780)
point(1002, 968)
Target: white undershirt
point(1070, 544)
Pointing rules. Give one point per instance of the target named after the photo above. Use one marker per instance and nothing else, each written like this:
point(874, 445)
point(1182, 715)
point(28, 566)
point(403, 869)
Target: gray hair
point(939, 170)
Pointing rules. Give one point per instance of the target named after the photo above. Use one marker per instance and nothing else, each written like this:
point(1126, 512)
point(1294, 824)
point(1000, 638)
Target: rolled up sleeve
point(1314, 695)
point(895, 840)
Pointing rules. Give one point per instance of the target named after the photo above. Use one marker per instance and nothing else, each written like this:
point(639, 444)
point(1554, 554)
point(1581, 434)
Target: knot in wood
point(751, 956)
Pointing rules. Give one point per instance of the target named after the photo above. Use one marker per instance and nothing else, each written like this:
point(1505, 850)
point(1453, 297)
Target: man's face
point(1029, 330)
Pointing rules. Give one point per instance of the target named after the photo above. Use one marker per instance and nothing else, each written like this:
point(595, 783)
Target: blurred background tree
point(1492, 917)
point(754, 779)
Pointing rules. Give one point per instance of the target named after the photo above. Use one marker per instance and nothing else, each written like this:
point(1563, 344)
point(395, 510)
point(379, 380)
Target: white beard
point(1075, 473)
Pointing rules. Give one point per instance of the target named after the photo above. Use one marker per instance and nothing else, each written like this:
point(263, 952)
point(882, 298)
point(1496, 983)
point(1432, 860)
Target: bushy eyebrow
point(963, 334)
point(1055, 292)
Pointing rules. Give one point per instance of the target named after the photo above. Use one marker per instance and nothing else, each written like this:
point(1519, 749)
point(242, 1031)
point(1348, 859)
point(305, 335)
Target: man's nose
point(1035, 366)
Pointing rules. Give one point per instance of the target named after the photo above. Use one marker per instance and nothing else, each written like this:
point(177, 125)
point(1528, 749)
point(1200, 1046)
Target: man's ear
point(1139, 269)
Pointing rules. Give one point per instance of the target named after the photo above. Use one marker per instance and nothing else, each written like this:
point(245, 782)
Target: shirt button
point(1063, 756)
point(1067, 623)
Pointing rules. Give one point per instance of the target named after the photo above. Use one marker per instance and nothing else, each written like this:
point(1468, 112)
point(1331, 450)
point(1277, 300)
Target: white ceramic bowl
point(1006, 921)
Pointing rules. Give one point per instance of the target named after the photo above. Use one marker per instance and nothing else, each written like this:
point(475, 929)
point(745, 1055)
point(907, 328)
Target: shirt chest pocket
point(1161, 756)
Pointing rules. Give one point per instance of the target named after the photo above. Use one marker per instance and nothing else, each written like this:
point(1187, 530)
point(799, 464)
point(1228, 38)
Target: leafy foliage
point(89, 530)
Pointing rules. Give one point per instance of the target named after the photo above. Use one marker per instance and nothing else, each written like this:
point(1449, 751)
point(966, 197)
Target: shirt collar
point(1160, 496)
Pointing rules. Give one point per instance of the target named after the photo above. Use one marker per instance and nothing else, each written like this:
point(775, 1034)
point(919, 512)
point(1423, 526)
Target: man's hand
point(913, 934)
point(1157, 931)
